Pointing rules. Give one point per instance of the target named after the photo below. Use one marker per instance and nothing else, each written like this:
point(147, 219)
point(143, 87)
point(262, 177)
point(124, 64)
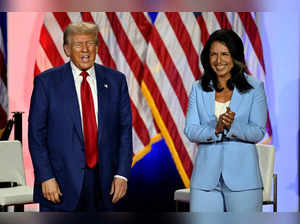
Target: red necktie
point(89, 123)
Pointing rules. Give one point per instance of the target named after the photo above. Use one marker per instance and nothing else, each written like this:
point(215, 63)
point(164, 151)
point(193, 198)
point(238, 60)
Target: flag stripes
point(160, 56)
point(185, 41)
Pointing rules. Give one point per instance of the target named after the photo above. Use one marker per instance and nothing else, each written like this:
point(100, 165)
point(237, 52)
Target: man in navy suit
point(81, 147)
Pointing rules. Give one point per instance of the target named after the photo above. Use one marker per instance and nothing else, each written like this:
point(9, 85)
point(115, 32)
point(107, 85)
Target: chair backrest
point(266, 164)
point(11, 162)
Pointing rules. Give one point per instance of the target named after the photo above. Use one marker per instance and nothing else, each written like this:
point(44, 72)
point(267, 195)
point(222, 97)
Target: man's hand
point(118, 189)
point(51, 190)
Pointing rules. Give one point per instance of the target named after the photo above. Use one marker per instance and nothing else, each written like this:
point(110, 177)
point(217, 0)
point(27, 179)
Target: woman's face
point(220, 59)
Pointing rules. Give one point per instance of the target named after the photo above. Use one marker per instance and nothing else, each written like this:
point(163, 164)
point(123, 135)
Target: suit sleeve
point(125, 151)
point(37, 132)
point(197, 130)
point(252, 130)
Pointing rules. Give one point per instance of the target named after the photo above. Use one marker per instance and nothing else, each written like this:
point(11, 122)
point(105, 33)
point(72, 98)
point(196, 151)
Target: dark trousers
point(90, 196)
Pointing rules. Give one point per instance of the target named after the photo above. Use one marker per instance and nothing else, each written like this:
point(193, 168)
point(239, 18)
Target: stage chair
point(266, 164)
point(266, 157)
point(13, 188)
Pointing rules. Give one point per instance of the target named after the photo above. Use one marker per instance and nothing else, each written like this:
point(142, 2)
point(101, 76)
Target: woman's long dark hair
point(235, 45)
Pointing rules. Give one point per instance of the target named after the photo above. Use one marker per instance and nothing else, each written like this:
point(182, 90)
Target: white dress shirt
point(91, 79)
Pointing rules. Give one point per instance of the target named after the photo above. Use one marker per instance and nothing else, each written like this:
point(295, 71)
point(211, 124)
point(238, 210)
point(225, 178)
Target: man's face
point(82, 49)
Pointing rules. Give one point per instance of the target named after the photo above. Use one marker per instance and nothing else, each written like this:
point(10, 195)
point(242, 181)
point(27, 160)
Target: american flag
point(3, 72)
point(159, 53)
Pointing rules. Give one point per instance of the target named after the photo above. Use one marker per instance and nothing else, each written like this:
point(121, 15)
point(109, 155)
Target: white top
point(220, 108)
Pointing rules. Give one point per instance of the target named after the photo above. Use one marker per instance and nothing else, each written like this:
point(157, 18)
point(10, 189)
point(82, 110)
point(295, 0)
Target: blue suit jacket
point(236, 159)
point(56, 137)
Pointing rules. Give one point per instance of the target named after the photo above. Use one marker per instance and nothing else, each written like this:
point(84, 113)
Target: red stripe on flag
point(103, 50)
point(185, 41)
point(140, 127)
point(168, 121)
point(143, 24)
point(170, 69)
point(37, 71)
point(126, 47)
point(223, 20)
point(50, 48)
point(63, 19)
point(253, 34)
point(203, 28)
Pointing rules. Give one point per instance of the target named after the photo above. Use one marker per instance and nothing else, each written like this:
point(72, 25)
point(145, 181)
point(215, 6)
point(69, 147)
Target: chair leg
point(275, 192)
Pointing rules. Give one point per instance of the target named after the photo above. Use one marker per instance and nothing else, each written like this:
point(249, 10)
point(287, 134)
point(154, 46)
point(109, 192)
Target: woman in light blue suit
point(226, 116)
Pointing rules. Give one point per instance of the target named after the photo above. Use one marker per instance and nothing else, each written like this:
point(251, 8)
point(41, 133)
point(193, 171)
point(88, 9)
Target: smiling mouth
point(85, 59)
point(220, 67)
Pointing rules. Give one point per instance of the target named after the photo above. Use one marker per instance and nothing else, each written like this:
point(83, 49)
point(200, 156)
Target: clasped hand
point(225, 121)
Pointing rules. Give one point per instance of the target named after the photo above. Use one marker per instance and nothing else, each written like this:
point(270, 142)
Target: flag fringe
point(137, 157)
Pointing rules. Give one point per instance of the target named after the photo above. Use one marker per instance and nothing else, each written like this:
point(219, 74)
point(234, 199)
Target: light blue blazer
point(236, 159)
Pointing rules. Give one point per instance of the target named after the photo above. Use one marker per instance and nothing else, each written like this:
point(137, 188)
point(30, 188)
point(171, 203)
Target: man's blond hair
point(80, 28)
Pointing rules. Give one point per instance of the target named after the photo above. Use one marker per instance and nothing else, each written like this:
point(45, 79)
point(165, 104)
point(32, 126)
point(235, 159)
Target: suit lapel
point(71, 101)
point(236, 100)
point(209, 102)
point(102, 88)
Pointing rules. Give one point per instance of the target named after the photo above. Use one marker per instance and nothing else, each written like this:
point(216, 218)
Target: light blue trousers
point(222, 199)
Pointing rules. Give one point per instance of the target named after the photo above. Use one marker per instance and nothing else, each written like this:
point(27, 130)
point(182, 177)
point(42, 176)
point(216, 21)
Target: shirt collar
point(76, 71)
